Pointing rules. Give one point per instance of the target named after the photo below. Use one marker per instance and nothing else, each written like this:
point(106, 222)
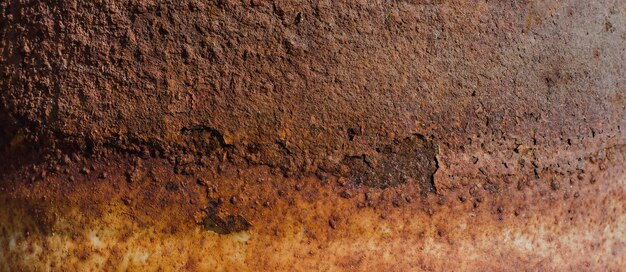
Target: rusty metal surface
point(157, 221)
point(323, 135)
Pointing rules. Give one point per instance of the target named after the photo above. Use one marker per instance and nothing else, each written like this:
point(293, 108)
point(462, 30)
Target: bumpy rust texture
point(303, 85)
point(120, 212)
point(238, 135)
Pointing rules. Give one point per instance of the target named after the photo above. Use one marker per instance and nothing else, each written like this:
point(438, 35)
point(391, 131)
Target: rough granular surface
point(439, 129)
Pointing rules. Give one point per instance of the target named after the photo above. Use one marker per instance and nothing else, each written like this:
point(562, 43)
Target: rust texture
point(312, 135)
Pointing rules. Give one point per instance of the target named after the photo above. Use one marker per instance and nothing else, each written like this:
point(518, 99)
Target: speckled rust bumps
point(290, 128)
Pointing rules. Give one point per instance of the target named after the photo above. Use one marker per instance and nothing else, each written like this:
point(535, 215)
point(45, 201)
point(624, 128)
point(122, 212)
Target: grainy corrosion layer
point(312, 135)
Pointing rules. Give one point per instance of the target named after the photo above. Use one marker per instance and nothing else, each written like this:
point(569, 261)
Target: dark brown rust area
point(203, 138)
point(225, 225)
point(299, 86)
point(405, 160)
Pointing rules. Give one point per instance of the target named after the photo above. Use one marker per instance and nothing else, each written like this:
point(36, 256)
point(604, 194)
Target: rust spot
point(203, 137)
point(408, 159)
point(225, 225)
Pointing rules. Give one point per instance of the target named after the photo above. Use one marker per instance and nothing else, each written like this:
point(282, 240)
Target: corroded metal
point(324, 135)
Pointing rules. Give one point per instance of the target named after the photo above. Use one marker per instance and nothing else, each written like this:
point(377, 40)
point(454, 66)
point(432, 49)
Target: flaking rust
point(411, 159)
